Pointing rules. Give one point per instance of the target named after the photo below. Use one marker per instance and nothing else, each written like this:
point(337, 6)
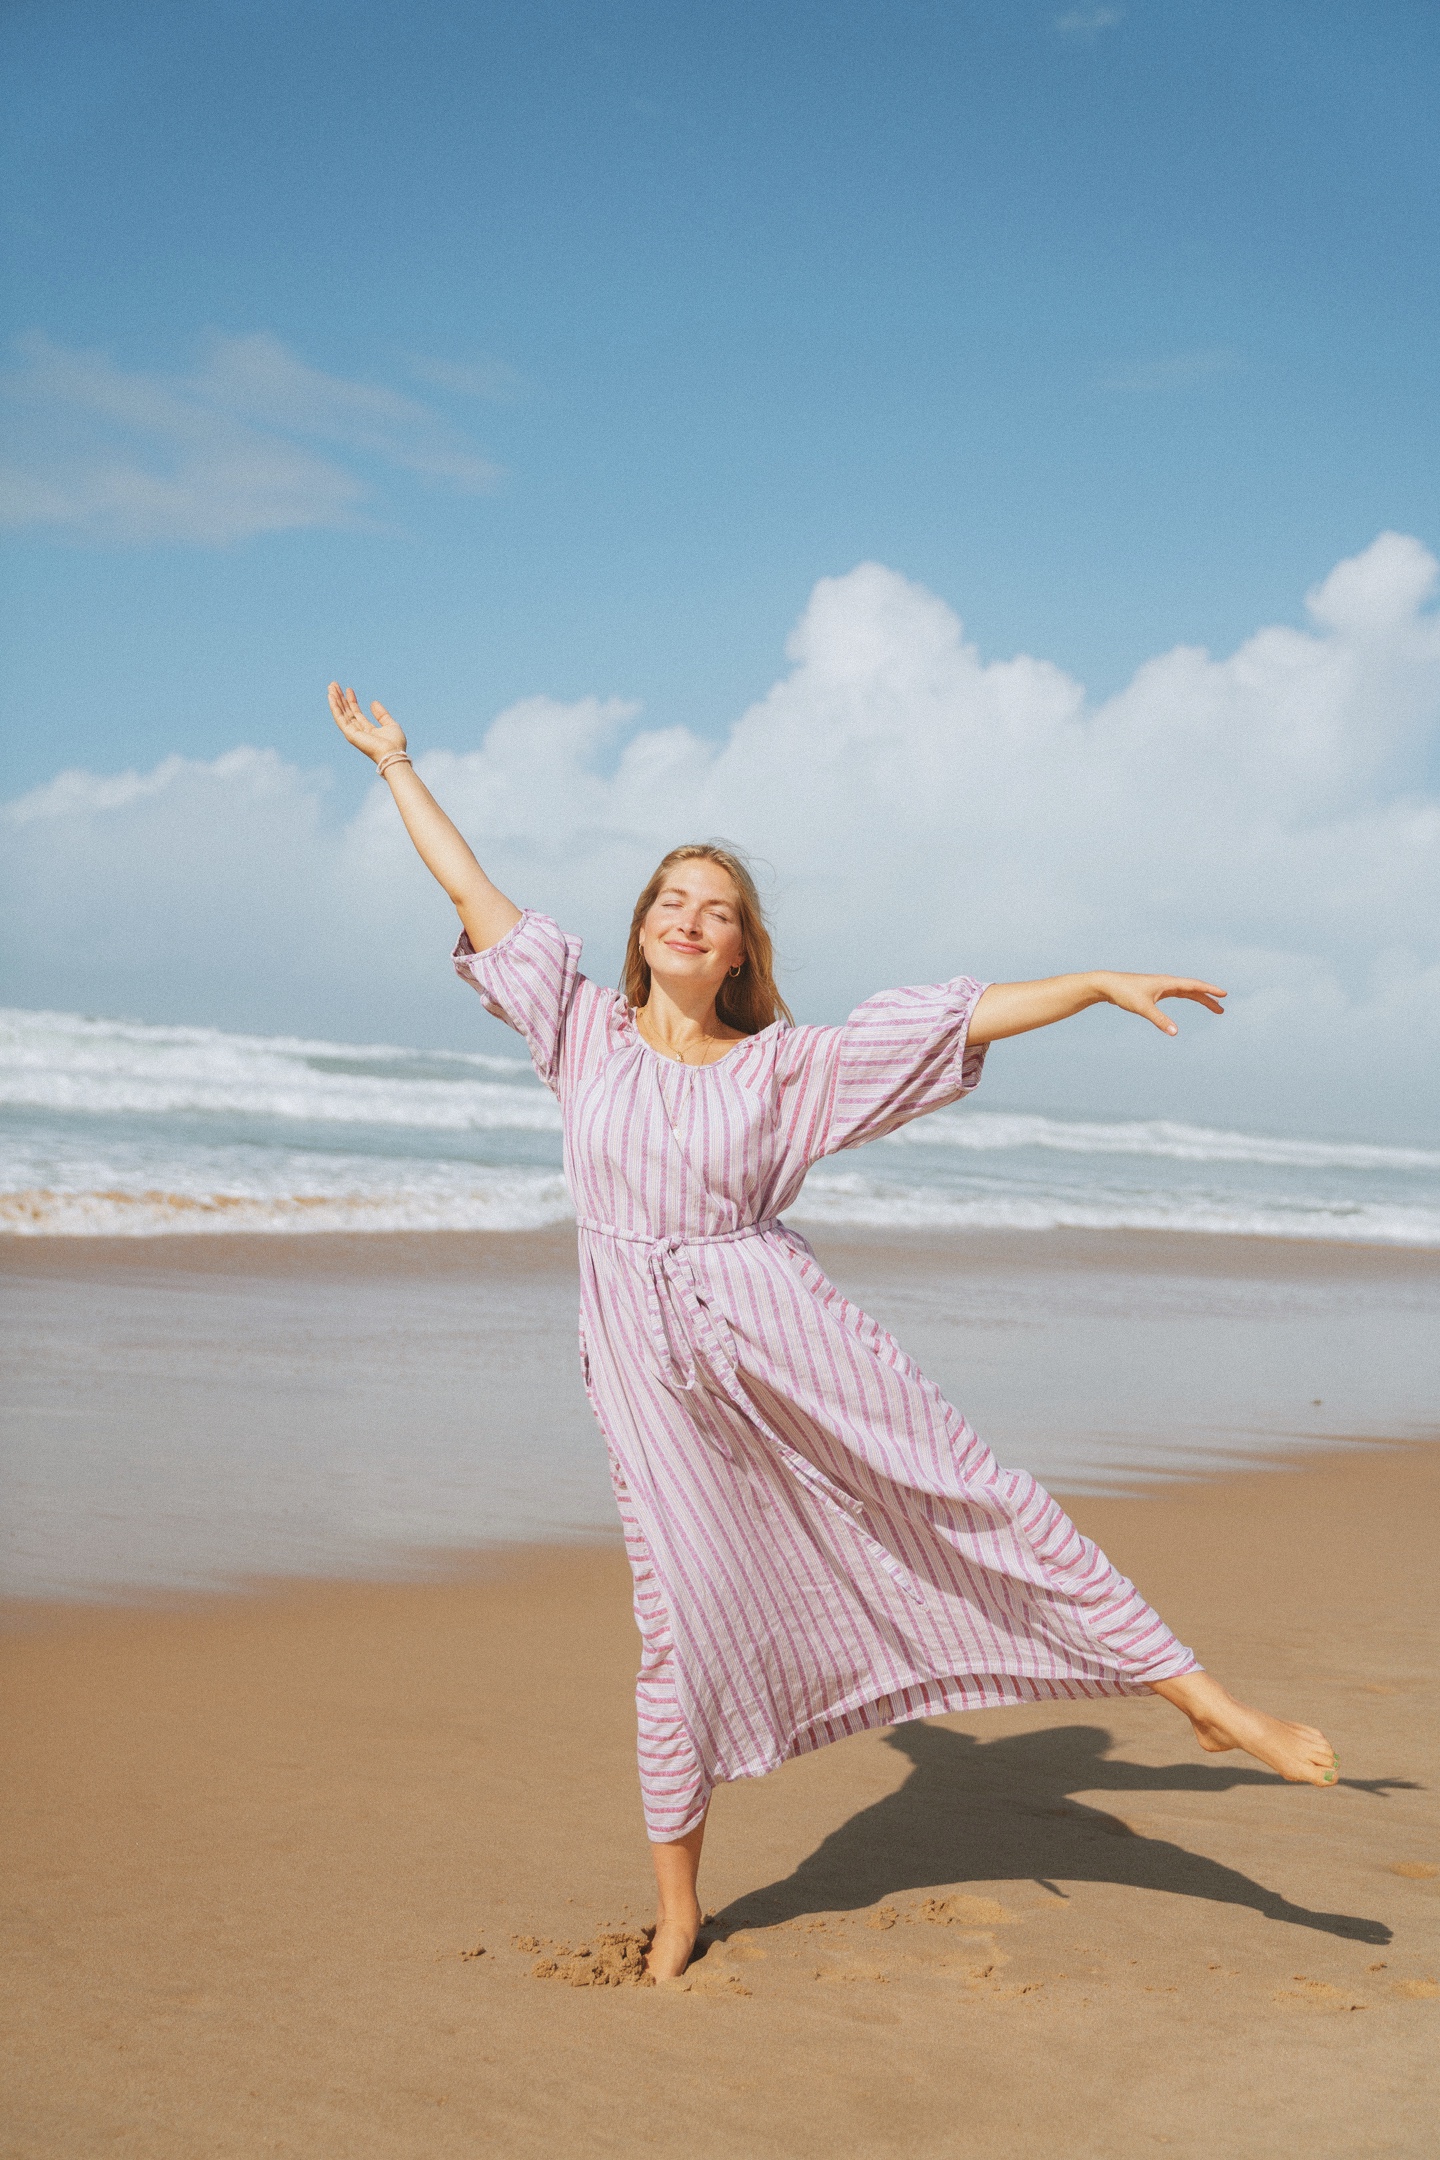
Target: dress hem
point(939, 1698)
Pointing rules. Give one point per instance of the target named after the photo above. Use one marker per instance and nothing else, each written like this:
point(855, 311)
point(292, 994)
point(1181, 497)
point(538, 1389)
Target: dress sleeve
point(897, 1056)
point(529, 980)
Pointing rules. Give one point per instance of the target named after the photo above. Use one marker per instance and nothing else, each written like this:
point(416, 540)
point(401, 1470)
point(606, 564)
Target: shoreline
point(327, 1870)
point(1202, 1252)
point(199, 1411)
point(505, 1559)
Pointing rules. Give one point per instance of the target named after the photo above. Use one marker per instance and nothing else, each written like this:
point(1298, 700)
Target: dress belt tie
point(678, 1317)
point(672, 1294)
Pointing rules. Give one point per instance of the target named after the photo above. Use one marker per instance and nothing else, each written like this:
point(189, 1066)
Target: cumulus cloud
point(245, 443)
point(1261, 819)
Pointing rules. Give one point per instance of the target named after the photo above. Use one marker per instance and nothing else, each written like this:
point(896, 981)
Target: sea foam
point(121, 1128)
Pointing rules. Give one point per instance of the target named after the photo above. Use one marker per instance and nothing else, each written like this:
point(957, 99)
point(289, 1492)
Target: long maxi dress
point(820, 1543)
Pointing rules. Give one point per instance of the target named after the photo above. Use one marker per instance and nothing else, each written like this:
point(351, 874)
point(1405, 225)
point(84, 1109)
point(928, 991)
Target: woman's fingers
point(1199, 993)
point(1146, 991)
point(340, 711)
point(352, 723)
point(1169, 986)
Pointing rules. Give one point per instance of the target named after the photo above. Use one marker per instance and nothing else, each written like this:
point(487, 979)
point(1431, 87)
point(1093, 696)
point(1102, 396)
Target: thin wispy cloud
point(251, 441)
point(1180, 371)
point(480, 378)
point(1088, 22)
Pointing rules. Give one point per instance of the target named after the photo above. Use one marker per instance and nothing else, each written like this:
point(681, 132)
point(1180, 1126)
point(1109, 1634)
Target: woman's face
point(691, 935)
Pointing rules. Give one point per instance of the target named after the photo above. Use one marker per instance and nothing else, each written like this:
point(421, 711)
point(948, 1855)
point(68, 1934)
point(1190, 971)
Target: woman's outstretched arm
point(483, 909)
point(1016, 1008)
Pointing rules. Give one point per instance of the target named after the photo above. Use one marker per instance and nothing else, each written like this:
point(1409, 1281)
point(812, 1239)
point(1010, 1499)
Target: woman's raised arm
point(483, 909)
point(1016, 1008)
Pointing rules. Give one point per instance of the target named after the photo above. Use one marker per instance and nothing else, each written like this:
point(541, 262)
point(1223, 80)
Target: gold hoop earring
point(737, 967)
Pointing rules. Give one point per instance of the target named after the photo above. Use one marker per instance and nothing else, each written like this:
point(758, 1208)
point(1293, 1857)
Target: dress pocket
point(834, 1496)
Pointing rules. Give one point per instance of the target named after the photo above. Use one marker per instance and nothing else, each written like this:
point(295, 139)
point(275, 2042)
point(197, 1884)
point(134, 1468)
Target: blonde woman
point(820, 1543)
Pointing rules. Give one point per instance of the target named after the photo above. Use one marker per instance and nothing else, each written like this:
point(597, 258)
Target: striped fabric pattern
point(820, 1542)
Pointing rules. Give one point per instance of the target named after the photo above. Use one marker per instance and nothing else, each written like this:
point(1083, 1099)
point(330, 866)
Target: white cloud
point(482, 378)
point(241, 445)
point(1088, 22)
point(1261, 819)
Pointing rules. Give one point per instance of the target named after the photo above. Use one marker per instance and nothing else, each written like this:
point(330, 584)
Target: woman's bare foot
point(1300, 1754)
point(677, 1915)
point(672, 1945)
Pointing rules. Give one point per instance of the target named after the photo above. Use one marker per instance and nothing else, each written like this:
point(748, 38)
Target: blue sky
point(510, 361)
point(1116, 326)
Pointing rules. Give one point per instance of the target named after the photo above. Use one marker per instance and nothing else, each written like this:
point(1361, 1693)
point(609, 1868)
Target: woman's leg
point(677, 1911)
point(1298, 1752)
point(674, 1789)
point(676, 1796)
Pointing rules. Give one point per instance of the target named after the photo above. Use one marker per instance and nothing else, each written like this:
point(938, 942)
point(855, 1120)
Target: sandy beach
point(721, 884)
point(315, 1871)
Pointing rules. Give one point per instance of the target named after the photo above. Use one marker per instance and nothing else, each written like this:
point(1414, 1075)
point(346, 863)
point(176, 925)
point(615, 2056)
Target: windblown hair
point(749, 1001)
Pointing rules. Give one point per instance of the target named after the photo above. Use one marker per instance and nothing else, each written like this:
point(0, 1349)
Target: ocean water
point(109, 1127)
point(217, 1411)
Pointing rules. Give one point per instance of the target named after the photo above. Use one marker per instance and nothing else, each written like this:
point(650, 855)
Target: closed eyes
point(717, 908)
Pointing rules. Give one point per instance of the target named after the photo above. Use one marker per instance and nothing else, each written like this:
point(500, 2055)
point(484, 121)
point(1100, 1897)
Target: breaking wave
point(120, 1128)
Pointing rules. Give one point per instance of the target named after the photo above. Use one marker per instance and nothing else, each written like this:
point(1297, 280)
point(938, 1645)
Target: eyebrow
point(681, 892)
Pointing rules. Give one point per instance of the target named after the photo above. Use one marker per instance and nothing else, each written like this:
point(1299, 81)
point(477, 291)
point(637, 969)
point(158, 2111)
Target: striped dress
point(820, 1542)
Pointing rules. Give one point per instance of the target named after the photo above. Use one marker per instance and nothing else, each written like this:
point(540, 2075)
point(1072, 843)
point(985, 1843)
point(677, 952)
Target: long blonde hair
point(748, 1001)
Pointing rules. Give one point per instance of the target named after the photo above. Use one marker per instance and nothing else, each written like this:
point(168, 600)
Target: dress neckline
point(710, 1064)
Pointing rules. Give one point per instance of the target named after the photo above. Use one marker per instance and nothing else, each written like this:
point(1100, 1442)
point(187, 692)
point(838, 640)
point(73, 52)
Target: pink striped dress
point(819, 1541)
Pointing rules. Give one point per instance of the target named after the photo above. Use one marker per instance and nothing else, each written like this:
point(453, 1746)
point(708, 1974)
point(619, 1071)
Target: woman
point(820, 1543)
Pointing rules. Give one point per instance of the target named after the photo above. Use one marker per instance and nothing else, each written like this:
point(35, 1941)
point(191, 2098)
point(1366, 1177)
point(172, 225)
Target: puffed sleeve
point(897, 1056)
point(529, 980)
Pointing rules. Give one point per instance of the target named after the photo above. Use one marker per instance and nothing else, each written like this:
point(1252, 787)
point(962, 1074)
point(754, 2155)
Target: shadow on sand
point(999, 1810)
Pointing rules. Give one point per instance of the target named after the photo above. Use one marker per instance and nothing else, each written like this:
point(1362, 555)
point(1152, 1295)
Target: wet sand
point(180, 1412)
point(283, 1869)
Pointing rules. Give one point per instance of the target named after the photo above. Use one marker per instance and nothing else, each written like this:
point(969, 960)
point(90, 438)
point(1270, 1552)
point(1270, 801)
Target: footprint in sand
point(971, 1956)
point(1316, 1995)
point(1416, 1990)
point(713, 1971)
point(963, 1912)
point(1414, 1870)
point(699, 1982)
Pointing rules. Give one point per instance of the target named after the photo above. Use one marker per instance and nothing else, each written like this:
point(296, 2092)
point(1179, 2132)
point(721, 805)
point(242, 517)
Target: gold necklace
point(672, 1057)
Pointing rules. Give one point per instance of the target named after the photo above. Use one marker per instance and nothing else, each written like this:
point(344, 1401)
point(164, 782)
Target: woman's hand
point(481, 906)
point(1016, 1008)
point(372, 738)
point(1142, 994)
